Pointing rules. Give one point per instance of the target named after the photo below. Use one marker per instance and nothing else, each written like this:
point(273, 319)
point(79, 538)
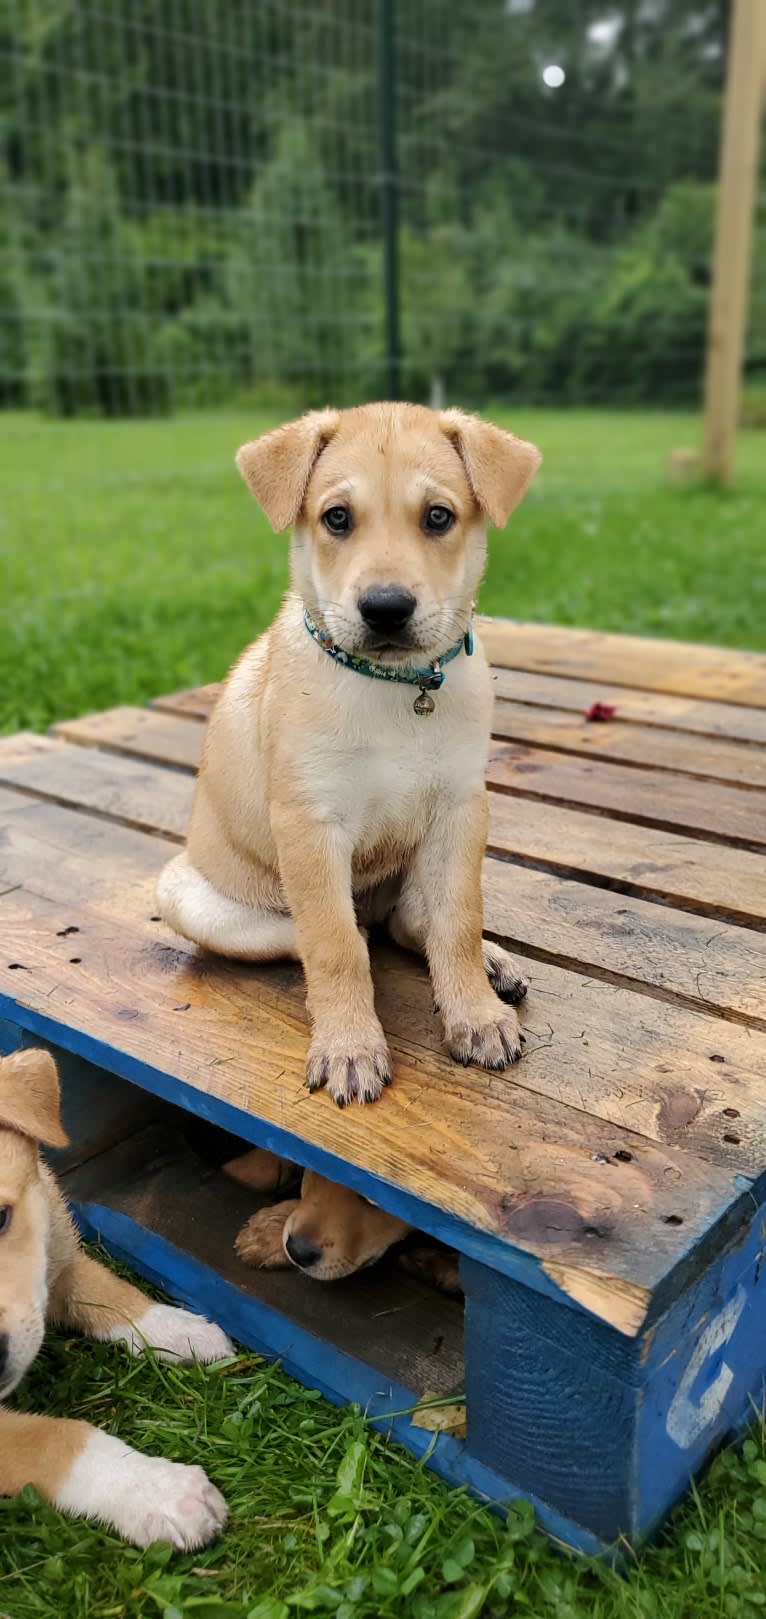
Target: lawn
point(134, 562)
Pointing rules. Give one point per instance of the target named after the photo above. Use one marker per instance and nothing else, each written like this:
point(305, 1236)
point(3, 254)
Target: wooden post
point(734, 222)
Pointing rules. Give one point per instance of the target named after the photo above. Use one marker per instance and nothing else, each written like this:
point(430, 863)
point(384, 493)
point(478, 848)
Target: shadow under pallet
point(607, 1197)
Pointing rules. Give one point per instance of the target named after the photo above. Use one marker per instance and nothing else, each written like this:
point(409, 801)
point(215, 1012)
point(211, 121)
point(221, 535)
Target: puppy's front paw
point(259, 1243)
point(176, 1335)
point(174, 1503)
point(145, 1498)
point(490, 1044)
point(351, 1070)
point(503, 974)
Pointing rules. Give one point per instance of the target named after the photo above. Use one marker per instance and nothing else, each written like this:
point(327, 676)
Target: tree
point(95, 352)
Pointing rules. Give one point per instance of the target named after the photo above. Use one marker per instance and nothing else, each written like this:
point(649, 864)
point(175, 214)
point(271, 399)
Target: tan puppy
point(327, 800)
point(44, 1275)
point(329, 1231)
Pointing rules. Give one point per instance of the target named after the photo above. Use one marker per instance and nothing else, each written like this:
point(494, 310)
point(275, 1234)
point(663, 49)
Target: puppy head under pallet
point(607, 1196)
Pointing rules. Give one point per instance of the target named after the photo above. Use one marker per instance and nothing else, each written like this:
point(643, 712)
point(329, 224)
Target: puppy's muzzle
point(387, 610)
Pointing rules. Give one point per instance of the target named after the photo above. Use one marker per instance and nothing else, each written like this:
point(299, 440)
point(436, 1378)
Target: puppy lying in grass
point(328, 1232)
point(45, 1276)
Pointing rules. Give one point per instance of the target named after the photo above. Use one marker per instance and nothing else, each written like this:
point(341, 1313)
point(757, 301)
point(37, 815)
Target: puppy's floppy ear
point(500, 467)
point(30, 1097)
point(278, 466)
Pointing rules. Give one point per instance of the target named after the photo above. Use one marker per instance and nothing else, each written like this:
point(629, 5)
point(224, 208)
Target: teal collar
point(429, 678)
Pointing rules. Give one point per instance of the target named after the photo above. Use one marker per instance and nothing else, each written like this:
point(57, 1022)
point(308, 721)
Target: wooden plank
point(737, 193)
point(727, 720)
point(663, 799)
point(631, 1061)
point(195, 703)
point(718, 967)
point(708, 965)
point(713, 878)
point(487, 1170)
point(666, 799)
point(141, 794)
point(681, 669)
point(635, 860)
point(710, 758)
point(177, 740)
point(143, 733)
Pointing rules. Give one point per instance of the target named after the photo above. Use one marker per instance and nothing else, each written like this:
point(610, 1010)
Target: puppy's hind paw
point(503, 974)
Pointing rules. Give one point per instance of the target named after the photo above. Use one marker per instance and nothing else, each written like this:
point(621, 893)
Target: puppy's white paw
point(174, 1334)
point(144, 1498)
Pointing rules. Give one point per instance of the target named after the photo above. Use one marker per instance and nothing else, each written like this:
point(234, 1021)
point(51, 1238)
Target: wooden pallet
point(608, 1196)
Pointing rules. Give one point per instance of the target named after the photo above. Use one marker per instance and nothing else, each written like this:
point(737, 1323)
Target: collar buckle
point(434, 680)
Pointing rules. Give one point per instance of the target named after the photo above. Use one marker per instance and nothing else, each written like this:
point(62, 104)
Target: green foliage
point(191, 209)
point(352, 1527)
point(289, 278)
point(12, 347)
point(134, 560)
point(95, 352)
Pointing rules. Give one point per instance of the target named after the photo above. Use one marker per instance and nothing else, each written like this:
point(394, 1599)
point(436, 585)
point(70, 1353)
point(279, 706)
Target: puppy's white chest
point(382, 769)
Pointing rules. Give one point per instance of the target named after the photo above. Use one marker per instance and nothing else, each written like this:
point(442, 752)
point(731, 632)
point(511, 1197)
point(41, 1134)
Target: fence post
point(389, 183)
point(738, 171)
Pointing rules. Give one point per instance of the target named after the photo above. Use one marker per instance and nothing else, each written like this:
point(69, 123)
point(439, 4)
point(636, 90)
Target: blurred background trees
point(190, 208)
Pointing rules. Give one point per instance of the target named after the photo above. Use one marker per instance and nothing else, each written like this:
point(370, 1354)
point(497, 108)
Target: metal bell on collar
point(424, 703)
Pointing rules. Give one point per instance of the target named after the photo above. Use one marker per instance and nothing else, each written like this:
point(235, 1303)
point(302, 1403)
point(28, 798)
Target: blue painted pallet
point(600, 1430)
point(606, 1200)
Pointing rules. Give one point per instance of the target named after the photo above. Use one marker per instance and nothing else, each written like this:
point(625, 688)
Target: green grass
point(133, 560)
point(328, 1518)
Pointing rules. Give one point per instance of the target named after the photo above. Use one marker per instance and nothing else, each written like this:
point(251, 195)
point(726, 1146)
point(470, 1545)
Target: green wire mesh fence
point(196, 196)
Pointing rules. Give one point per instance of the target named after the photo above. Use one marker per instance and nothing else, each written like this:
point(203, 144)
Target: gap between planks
point(654, 951)
point(730, 722)
point(663, 797)
point(668, 801)
point(642, 747)
point(177, 740)
point(726, 882)
point(63, 857)
point(701, 716)
point(674, 668)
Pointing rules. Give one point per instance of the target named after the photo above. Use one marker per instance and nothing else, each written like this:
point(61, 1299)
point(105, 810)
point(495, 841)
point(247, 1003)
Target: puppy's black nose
point(3, 1355)
point(301, 1251)
point(387, 608)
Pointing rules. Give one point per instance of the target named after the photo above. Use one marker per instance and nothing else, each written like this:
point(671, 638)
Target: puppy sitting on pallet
point(45, 1276)
point(342, 782)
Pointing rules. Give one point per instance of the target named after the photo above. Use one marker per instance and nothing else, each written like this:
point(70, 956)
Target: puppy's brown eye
point(6, 1215)
point(337, 520)
point(438, 519)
